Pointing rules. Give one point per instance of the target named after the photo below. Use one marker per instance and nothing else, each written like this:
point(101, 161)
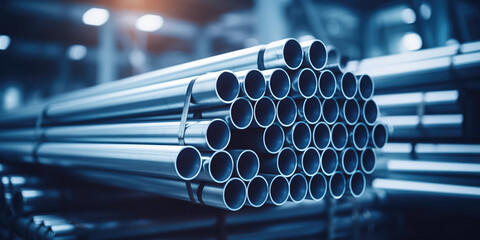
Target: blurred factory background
point(422, 54)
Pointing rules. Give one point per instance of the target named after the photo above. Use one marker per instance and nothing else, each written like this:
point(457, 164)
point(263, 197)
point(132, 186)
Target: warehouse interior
point(73, 72)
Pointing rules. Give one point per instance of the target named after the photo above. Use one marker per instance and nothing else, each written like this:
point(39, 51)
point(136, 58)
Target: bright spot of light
point(11, 98)
point(425, 10)
point(137, 58)
point(411, 41)
point(77, 52)
point(149, 23)
point(95, 16)
point(4, 42)
point(408, 16)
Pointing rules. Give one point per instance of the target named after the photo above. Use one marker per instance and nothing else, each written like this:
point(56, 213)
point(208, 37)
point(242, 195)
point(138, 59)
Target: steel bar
point(252, 84)
point(247, 163)
point(278, 83)
point(298, 187)
point(317, 187)
point(321, 136)
point(264, 112)
point(350, 111)
point(310, 110)
point(278, 190)
point(327, 84)
point(357, 184)
point(378, 135)
point(369, 112)
point(358, 136)
point(299, 136)
point(268, 140)
point(349, 161)
point(286, 112)
point(309, 161)
point(339, 136)
point(330, 111)
point(329, 161)
point(217, 167)
point(314, 54)
point(366, 87)
point(368, 160)
point(304, 83)
point(337, 185)
point(283, 163)
point(257, 192)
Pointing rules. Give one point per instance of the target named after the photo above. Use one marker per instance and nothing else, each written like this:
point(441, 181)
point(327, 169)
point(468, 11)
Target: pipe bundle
point(267, 124)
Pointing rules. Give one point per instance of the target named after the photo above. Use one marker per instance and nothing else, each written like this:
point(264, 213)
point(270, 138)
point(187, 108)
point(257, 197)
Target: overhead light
point(77, 52)
point(411, 41)
point(95, 16)
point(408, 16)
point(4, 42)
point(149, 23)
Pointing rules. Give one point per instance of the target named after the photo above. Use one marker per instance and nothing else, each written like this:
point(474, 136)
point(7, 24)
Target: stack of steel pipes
point(267, 124)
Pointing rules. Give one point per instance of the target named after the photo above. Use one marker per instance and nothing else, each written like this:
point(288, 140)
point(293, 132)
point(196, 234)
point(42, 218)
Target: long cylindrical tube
point(252, 83)
point(349, 160)
point(278, 83)
point(283, 163)
point(286, 112)
point(247, 164)
point(330, 111)
point(368, 160)
point(327, 84)
point(304, 83)
point(339, 136)
point(350, 111)
point(369, 112)
point(321, 136)
point(299, 136)
point(433, 167)
point(264, 112)
point(310, 110)
point(257, 192)
point(378, 135)
point(309, 161)
point(278, 190)
point(346, 84)
point(314, 54)
point(317, 187)
point(366, 87)
point(337, 185)
point(298, 187)
point(268, 140)
point(217, 167)
point(429, 126)
point(329, 161)
point(358, 136)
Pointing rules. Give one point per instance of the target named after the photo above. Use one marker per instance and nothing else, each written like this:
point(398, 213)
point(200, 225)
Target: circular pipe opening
point(327, 84)
point(349, 85)
point(317, 187)
point(370, 112)
point(286, 111)
point(293, 54)
point(227, 87)
point(339, 136)
point(337, 185)
point(368, 160)
point(329, 161)
point(298, 187)
point(366, 87)
point(279, 190)
point(241, 113)
point(351, 111)
point(312, 110)
point(380, 135)
point(349, 160)
point(188, 163)
point(307, 83)
point(257, 191)
point(310, 161)
point(234, 194)
point(301, 136)
point(264, 112)
point(360, 136)
point(358, 184)
point(221, 166)
point(218, 134)
point(273, 138)
point(248, 165)
point(287, 162)
point(321, 136)
point(330, 111)
point(279, 84)
point(254, 85)
point(317, 55)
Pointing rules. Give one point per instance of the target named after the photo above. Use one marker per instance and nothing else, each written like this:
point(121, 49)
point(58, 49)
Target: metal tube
point(283, 163)
point(257, 192)
point(310, 110)
point(309, 161)
point(264, 112)
point(433, 167)
point(366, 87)
point(431, 126)
point(298, 187)
point(346, 84)
point(317, 187)
point(368, 160)
point(358, 136)
point(268, 140)
point(378, 135)
point(239, 114)
point(333, 57)
point(329, 161)
point(339, 136)
point(369, 112)
point(252, 84)
point(286, 112)
point(321, 136)
point(247, 164)
point(350, 112)
point(330, 111)
point(299, 136)
point(327, 84)
point(278, 190)
point(278, 83)
point(349, 160)
point(304, 83)
point(216, 167)
point(314, 54)
point(337, 185)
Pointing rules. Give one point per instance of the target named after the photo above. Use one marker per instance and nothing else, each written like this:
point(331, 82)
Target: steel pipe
point(337, 185)
point(433, 167)
point(283, 163)
point(268, 140)
point(309, 161)
point(321, 136)
point(349, 160)
point(366, 87)
point(330, 111)
point(252, 84)
point(327, 84)
point(247, 164)
point(333, 57)
point(257, 192)
point(304, 83)
point(314, 54)
point(299, 136)
point(369, 112)
point(310, 110)
point(298, 188)
point(346, 84)
point(216, 167)
point(425, 126)
point(264, 112)
point(350, 112)
point(286, 112)
point(378, 135)
point(368, 160)
point(278, 190)
point(329, 161)
point(339, 136)
point(317, 187)
point(358, 136)
point(278, 83)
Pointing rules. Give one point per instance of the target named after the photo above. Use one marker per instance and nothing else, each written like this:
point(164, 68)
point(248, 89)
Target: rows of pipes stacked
point(272, 124)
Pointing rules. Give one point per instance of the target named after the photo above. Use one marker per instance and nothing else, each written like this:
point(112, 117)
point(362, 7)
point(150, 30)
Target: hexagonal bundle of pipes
point(268, 124)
